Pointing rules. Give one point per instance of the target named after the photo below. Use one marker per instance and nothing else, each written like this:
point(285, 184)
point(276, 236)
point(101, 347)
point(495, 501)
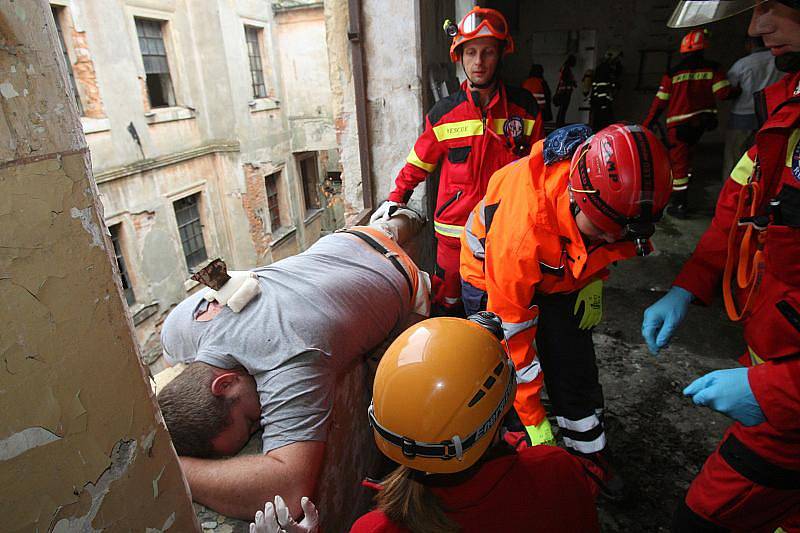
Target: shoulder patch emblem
point(514, 128)
point(796, 162)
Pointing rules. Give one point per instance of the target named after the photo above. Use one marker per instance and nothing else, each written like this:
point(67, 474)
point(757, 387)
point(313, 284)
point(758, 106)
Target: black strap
point(388, 254)
point(757, 469)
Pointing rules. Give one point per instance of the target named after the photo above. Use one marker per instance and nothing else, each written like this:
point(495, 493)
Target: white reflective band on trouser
point(512, 328)
point(448, 230)
point(584, 424)
point(527, 374)
point(451, 301)
point(676, 118)
point(592, 446)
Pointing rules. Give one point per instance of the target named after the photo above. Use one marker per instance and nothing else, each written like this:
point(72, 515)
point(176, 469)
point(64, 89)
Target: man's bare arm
point(239, 486)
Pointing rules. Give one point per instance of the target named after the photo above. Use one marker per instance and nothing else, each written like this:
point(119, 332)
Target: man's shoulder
point(445, 106)
point(522, 98)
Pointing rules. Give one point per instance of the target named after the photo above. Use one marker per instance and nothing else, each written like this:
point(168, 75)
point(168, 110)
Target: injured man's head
point(210, 411)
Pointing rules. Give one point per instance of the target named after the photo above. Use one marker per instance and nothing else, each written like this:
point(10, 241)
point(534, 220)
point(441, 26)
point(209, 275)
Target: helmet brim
point(692, 13)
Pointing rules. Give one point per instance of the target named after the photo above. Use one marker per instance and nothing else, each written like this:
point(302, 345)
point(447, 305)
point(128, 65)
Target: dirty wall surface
point(81, 444)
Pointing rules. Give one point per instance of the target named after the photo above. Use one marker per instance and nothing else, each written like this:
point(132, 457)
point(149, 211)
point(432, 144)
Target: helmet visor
point(487, 21)
point(690, 13)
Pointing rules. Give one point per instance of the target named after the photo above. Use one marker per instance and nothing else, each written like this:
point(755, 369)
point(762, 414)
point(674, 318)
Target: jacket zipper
point(447, 204)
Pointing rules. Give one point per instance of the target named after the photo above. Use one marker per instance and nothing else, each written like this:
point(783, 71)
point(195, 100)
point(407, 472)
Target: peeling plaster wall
point(82, 444)
point(396, 89)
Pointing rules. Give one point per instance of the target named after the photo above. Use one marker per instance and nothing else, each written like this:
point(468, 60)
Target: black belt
point(388, 254)
point(757, 469)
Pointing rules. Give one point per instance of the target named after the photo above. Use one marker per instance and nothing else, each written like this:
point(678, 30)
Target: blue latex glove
point(663, 317)
point(729, 392)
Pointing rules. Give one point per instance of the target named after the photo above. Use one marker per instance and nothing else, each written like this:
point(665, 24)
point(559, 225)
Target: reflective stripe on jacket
point(689, 89)
point(470, 146)
point(520, 240)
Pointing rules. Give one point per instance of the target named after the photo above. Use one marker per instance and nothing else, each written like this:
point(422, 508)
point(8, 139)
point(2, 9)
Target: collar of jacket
point(499, 93)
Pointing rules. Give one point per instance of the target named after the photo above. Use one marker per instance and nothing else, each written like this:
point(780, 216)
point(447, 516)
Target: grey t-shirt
point(317, 312)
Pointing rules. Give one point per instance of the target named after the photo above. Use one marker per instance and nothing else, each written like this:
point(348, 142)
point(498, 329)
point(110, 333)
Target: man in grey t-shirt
point(274, 364)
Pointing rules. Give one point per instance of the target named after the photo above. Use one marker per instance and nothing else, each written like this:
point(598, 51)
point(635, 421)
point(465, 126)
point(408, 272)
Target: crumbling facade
point(195, 146)
point(82, 446)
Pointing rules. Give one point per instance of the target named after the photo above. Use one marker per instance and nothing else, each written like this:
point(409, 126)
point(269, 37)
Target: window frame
point(167, 90)
point(302, 159)
point(271, 186)
point(115, 231)
point(198, 233)
point(255, 52)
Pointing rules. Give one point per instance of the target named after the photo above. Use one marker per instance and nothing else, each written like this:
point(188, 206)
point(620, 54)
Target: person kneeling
point(440, 394)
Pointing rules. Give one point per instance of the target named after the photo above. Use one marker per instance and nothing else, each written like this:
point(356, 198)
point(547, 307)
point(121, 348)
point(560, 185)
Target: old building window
point(310, 176)
point(156, 67)
point(273, 206)
point(58, 14)
point(121, 265)
point(187, 214)
point(253, 37)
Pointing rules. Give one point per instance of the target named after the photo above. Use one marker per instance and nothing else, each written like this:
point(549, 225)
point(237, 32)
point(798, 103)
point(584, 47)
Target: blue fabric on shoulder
point(563, 142)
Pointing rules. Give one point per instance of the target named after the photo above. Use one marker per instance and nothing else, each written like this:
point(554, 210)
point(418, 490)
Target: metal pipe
point(354, 35)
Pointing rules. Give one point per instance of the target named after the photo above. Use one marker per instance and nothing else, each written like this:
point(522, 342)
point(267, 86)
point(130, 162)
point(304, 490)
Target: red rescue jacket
point(542, 488)
point(772, 321)
point(472, 144)
point(689, 89)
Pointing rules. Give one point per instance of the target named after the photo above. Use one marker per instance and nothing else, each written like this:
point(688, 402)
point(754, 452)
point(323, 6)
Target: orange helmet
point(440, 393)
point(694, 41)
point(621, 178)
point(479, 22)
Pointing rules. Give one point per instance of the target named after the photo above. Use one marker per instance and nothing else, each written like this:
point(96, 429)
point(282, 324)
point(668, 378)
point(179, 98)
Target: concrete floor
point(658, 438)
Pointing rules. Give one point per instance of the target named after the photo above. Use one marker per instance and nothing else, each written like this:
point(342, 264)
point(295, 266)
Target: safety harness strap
point(381, 249)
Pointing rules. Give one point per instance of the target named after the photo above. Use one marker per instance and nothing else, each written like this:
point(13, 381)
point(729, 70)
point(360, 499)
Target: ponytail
point(409, 503)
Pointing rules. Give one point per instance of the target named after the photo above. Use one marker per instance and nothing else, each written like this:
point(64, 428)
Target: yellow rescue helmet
point(440, 393)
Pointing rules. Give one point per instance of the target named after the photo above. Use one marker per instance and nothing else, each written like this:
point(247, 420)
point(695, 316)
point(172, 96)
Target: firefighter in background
point(538, 87)
point(535, 251)
point(604, 88)
point(751, 482)
point(479, 129)
point(688, 93)
point(566, 84)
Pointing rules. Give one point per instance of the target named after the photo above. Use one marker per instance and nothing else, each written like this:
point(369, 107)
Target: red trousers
point(739, 491)
point(680, 157)
point(446, 280)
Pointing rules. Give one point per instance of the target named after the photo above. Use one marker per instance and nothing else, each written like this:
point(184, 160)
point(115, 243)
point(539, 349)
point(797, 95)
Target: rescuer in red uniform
point(688, 93)
point(440, 395)
point(536, 250)
point(752, 480)
point(474, 132)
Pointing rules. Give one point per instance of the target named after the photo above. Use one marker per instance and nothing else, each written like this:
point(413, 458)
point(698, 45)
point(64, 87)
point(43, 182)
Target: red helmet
point(480, 22)
point(620, 178)
point(694, 41)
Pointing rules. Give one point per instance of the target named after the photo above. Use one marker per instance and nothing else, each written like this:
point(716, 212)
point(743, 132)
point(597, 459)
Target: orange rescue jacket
point(522, 239)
